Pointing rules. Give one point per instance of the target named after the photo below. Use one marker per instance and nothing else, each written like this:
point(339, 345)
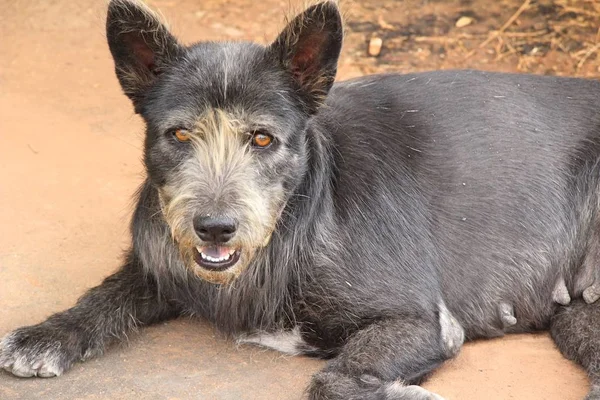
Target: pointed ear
point(309, 48)
point(141, 46)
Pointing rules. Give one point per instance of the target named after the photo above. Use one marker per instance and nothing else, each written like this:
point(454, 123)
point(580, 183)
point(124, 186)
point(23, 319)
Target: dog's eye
point(182, 135)
point(261, 139)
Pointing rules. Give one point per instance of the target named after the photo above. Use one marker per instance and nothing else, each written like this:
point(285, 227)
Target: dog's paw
point(397, 391)
point(335, 386)
point(38, 350)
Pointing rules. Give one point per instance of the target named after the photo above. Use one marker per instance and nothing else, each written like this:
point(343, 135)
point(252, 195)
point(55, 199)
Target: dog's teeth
point(226, 257)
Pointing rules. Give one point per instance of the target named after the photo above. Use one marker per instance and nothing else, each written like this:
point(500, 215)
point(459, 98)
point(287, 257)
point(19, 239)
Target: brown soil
point(551, 37)
point(70, 147)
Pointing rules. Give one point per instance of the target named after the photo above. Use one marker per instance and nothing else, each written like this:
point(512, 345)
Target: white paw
point(23, 355)
point(398, 391)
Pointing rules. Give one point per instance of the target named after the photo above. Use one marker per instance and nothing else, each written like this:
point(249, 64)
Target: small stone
point(375, 46)
point(463, 21)
point(384, 25)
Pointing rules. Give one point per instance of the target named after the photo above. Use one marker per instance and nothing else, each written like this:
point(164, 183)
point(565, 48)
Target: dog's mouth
point(216, 258)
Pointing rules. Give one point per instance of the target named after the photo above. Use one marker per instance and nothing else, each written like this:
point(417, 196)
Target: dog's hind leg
point(575, 331)
point(388, 358)
point(106, 313)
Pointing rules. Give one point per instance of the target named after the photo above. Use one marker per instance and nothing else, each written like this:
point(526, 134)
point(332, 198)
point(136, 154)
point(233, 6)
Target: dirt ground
point(70, 149)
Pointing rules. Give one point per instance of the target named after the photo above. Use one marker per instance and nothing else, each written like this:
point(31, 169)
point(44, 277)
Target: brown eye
point(182, 135)
point(261, 139)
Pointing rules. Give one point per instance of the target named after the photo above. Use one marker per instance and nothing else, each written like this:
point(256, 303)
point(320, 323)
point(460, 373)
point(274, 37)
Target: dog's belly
point(511, 299)
point(510, 266)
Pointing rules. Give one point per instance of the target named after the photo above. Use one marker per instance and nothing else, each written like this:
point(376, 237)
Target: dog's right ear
point(141, 45)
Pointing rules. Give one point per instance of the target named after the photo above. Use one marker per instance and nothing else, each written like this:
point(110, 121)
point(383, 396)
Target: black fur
point(414, 207)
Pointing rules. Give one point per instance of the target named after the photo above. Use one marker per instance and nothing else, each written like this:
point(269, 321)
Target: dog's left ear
point(309, 48)
point(141, 45)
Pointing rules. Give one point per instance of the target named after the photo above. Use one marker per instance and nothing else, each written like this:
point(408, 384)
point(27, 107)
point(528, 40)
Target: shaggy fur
point(391, 218)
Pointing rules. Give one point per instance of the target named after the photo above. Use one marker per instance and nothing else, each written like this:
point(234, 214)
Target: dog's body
point(379, 229)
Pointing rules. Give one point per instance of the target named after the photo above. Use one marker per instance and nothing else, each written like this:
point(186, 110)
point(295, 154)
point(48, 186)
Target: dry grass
point(556, 37)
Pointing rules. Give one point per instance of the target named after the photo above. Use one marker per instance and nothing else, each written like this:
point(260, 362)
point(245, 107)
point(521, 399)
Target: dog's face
point(226, 144)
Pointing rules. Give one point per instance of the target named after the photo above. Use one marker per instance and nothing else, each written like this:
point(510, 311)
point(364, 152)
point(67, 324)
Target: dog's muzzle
point(215, 231)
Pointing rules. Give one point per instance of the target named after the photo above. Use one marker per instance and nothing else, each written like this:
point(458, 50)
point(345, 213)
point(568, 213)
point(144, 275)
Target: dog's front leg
point(385, 360)
point(125, 300)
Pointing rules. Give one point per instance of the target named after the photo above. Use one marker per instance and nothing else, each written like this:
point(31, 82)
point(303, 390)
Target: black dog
point(378, 222)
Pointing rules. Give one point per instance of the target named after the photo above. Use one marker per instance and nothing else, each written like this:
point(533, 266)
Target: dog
point(378, 222)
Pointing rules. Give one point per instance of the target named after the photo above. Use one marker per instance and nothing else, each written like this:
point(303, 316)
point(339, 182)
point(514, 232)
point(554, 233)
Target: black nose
point(215, 229)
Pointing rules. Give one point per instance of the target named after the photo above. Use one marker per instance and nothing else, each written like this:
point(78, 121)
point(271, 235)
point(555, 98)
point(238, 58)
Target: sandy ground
point(70, 149)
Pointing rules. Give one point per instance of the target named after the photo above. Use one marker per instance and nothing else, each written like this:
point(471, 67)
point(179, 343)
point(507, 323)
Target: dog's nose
point(215, 229)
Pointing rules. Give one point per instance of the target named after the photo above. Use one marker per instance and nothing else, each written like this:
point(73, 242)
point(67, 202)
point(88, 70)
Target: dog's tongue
point(216, 251)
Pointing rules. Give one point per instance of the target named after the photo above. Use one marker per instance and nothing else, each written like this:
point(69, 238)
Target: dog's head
point(225, 126)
